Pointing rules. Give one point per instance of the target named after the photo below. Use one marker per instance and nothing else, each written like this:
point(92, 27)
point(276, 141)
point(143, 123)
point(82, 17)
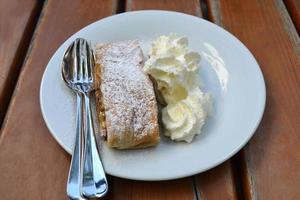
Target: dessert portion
point(174, 68)
point(125, 99)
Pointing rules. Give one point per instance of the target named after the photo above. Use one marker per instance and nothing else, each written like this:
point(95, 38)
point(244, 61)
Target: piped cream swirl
point(175, 69)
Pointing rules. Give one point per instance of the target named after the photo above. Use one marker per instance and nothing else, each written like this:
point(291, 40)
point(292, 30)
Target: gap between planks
point(20, 58)
point(293, 7)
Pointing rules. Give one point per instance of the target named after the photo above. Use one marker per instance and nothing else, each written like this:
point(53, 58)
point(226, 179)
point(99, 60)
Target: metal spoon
point(72, 75)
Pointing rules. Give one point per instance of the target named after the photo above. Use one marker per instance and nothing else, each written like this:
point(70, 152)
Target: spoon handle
point(94, 182)
point(75, 174)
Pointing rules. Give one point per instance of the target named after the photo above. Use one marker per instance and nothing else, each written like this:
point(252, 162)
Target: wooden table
point(34, 166)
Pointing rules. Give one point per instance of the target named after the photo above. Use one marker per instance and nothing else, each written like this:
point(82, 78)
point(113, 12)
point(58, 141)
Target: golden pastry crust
point(125, 98)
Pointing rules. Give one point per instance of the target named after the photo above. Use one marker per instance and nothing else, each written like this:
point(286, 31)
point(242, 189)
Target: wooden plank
point(145, 190)
point(190, 7)
point(16, 26)
point(32, 164)
point(293, 7)
point(272, 158)
point(219, 179)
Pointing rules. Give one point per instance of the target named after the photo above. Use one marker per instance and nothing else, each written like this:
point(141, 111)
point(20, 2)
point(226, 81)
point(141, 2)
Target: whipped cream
point(175, 69)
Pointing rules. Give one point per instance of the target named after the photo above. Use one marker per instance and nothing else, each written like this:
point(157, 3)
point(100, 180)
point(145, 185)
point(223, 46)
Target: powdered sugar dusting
point(128, 93)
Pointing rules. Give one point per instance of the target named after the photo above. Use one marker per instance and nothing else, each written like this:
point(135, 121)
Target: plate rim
point(224, 158)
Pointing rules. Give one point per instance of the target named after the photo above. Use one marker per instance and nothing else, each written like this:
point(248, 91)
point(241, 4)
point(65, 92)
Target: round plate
point(228, 71)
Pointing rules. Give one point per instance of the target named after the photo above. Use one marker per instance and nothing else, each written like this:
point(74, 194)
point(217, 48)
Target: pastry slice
point(125, 99)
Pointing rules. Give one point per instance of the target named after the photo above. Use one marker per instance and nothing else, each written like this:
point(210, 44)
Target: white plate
point(228, 70)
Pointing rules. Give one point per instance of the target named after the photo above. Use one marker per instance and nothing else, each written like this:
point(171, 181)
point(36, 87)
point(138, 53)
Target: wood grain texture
point(32, 164)
point(293, 7)
point(145, 190)
point(217, 183)
point(16, 25)
point(190, 7)
point(219, 179)
point(272, 158)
